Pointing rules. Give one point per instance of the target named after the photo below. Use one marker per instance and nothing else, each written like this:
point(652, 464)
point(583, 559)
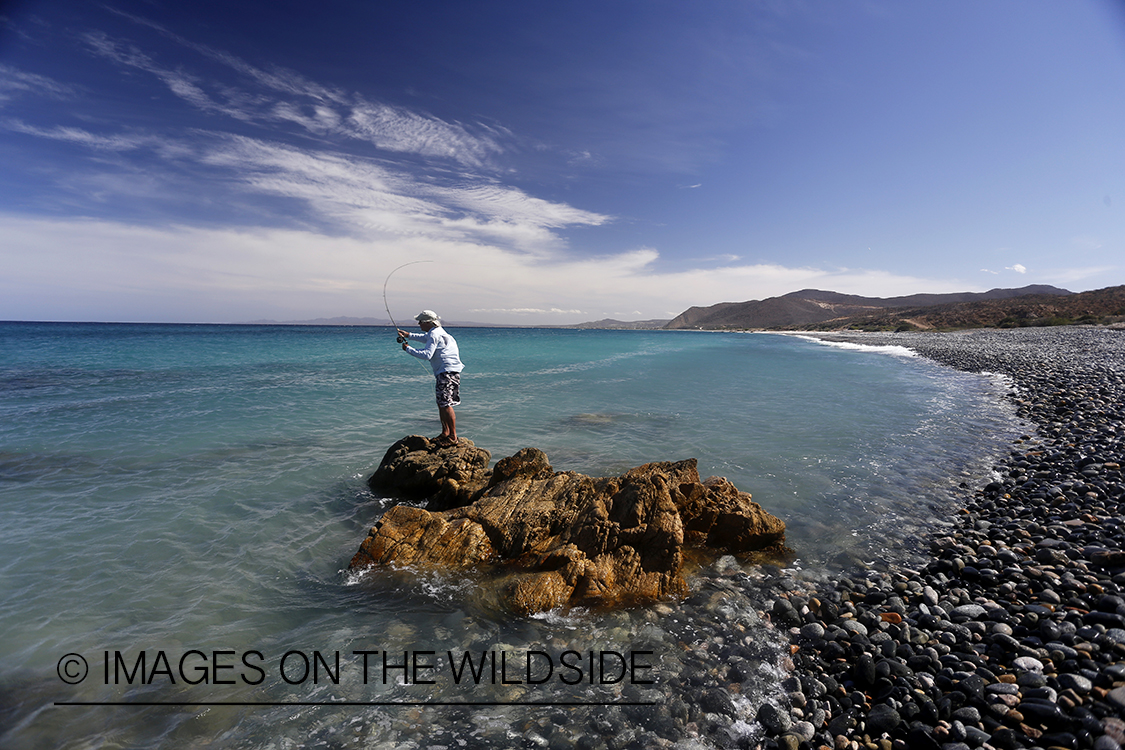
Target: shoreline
point(726, 651)
point(1013, 633)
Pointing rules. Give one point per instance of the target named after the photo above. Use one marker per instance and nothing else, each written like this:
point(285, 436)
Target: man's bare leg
point(448, 425)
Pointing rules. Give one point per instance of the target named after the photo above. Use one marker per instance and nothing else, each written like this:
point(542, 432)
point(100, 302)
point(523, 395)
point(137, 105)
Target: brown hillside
point(1098, 306)
point(809, 307)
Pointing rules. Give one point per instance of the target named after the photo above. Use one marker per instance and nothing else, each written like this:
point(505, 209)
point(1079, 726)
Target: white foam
point(892, 349)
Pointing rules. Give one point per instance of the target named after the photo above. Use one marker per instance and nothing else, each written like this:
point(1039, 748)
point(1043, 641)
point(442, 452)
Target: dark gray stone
point(882, 719)
point(773, 719)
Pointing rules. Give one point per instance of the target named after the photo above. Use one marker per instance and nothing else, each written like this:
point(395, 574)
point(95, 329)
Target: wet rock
point(969, 611)
point(1075, 682)
point(1028, 664)
point(804, 731)
point(773, 719)
point(417, 468)
point(1044, 713)
point(812, 631)
point(561, 538)
point(967, 715)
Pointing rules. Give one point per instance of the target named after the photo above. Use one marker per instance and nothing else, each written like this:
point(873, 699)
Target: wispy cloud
point(527, 311)
point(82, 137)
point(277, 78)
point(316, 108)
point(398, 129)
point(181, 84)
point(365, 195)
point(1087, 242)
point(14, 82)
point(445, 191)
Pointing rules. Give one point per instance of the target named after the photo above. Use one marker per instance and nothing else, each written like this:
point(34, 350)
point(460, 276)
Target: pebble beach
point(1006, 630)
point(1012, 633)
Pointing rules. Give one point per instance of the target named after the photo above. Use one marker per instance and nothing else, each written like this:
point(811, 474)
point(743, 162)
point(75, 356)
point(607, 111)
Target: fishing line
point(388, 307)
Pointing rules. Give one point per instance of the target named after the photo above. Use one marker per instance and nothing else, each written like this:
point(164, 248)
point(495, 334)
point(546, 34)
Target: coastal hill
point(812, 309)
point(813, 306)
point(625, 325)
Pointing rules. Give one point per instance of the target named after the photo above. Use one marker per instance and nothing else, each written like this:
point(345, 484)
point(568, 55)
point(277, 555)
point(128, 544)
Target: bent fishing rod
point(387, 306)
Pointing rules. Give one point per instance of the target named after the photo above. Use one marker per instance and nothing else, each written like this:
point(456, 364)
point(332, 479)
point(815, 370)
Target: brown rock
point(416, 467)
point(716, 515)
point(559, 538)
point(1110, 558)
point(410, 535)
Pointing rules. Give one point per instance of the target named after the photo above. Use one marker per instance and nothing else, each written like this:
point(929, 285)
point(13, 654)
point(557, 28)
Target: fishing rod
point(389, 275)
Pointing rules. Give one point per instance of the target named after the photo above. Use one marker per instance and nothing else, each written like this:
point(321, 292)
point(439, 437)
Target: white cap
point(426, 316)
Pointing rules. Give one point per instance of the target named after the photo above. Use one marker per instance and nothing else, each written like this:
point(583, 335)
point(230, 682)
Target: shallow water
point(171, 489)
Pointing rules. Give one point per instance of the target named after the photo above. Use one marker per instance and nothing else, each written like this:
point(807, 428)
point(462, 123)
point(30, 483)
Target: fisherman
point(440, 350)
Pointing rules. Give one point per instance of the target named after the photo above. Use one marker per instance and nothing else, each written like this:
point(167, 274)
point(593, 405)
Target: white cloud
point(315, 108)
point(512, 205)
point(125, 272)
point(14, 82)
point(528, 311)
point(583, 159)
point(398, 129)
point(130, 56)
point(1018, 268)
point(401, 208)
point(78, 136)
point(356, 196)
point(363, 196)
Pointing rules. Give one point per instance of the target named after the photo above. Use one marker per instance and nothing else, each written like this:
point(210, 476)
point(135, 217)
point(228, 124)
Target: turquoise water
point(173, 488)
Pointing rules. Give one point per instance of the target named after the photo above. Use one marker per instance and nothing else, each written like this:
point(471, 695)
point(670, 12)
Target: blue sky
point(555, 162)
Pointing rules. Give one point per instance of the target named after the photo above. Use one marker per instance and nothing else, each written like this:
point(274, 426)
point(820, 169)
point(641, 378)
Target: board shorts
point(448, 389)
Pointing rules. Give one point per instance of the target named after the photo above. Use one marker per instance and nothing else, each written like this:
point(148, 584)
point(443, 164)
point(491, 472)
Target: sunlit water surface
point(173, 489)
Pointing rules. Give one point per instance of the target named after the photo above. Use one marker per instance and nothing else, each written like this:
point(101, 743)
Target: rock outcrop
point(559, 538)
point(416, 468)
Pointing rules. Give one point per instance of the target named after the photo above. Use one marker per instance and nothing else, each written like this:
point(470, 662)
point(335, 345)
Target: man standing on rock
point(440, 350)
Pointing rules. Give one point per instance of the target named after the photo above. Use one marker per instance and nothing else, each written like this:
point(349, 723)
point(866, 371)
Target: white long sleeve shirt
point(439, 349)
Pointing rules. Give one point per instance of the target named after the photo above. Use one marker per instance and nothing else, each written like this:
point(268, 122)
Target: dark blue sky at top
point(725, 150)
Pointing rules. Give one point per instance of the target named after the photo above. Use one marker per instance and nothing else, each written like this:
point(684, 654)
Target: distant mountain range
point(340, 320)
point(626, 325)
point(344, 320)
point(813, 309)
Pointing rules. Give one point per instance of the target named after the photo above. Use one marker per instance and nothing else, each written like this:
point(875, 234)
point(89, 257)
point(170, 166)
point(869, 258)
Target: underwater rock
point(559, 538)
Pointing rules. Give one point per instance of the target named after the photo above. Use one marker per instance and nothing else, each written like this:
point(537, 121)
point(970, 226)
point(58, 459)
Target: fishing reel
point(400, 339)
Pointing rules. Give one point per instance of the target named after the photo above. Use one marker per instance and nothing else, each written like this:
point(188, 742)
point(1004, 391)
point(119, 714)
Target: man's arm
point(427, 352)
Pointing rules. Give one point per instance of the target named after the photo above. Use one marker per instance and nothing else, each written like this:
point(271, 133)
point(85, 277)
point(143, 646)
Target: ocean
point(179, 504)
